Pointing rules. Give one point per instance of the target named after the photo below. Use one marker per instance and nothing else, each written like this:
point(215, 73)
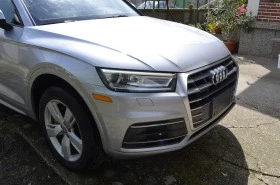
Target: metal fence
point(182, 11)
point(185, 16)
point(176, 3)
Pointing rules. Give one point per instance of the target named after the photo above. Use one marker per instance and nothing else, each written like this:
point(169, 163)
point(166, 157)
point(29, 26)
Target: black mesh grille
point(208, 100)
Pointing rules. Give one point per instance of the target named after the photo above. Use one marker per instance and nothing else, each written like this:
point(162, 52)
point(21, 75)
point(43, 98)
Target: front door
point(11, 74)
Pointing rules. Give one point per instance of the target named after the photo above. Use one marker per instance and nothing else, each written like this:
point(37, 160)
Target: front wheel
point(69, 131)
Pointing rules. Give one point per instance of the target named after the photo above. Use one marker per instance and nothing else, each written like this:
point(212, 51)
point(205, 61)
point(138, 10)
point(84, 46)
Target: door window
point(9, 11)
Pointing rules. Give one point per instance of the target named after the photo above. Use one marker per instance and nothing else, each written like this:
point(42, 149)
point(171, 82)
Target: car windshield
point(59, 11)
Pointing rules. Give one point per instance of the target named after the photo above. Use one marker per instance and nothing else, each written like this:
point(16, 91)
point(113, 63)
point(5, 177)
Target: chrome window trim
point(28, 13)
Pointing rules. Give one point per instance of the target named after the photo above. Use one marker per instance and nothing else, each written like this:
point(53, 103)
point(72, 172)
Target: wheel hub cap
point(63, 130)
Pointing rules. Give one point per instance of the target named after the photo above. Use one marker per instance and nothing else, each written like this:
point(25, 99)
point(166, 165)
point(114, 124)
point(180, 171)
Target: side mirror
point(3, 24)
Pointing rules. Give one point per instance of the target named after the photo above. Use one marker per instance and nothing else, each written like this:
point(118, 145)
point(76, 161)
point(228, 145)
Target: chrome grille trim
point(212, 92)
point(158, 125)
point(144, 142)
point(201, 92)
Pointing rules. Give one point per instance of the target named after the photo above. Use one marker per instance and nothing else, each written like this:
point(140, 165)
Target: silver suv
point(97, 84)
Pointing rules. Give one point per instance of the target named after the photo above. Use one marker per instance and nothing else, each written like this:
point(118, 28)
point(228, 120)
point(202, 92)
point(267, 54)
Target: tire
point(70, 132)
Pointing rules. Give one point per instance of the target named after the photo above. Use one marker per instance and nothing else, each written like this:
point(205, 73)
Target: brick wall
point(269, 11)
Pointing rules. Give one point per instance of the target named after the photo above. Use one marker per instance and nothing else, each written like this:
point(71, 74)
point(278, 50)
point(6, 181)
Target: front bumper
point(188, 139)
point(140, 124)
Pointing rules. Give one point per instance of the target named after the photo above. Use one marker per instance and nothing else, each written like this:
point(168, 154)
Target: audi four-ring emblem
point(219, 74)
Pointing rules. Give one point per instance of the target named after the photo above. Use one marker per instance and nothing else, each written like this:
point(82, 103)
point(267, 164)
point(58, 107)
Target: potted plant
point(213, 23)
point(231, 17)
point(211, 27)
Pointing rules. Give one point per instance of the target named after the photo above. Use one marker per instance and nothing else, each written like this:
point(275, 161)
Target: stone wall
point(260, 41)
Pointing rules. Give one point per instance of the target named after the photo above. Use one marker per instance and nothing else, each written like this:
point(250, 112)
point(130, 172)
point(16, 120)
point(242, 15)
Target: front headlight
point(136, 81)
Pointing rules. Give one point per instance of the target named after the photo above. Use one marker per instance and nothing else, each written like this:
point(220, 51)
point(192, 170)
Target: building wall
point(261, 41)
point(253, 6)
point(269, 11)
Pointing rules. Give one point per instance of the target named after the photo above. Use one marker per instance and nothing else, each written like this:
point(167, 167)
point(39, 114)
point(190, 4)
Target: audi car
point(98, 86)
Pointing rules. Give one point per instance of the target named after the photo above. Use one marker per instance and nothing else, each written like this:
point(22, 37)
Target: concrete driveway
point(244, 149)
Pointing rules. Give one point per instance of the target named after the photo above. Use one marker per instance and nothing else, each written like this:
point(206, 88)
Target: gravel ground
point(19, 163)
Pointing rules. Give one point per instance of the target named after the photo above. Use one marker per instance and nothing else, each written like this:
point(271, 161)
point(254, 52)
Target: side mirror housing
point(3, 24)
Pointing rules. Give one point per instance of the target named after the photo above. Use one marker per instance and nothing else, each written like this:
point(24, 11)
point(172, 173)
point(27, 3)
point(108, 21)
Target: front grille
point(214, 122)
point(208, 100)
point(155, 134)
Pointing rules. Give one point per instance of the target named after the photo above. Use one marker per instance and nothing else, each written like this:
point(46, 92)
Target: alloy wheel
point(63, 130)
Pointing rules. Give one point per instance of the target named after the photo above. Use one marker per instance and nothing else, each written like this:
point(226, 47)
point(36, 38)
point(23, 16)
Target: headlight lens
point(135, 81)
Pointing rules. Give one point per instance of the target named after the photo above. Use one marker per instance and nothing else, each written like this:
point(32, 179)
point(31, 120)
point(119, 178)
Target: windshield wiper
point(115, 16)
point(95, 17)
point(69, 21)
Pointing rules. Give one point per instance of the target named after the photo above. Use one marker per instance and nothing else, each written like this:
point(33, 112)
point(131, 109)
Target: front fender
point(80, 75)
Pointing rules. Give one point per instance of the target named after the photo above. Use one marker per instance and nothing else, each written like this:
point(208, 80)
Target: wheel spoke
point(65, 147)
point(55, 112)
point(69, 119)
point(76, 142)
point(53, 130)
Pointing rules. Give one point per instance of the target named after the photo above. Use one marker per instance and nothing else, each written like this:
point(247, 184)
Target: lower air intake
point(155, 134)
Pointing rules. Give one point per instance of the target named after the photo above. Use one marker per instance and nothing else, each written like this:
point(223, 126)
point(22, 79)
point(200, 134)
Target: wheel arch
point(45, 78)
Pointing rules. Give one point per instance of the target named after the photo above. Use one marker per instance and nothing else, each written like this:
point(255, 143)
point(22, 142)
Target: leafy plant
point(211, 27)
point(231, 17)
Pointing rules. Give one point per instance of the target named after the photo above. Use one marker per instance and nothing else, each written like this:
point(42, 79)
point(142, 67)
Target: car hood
point(141, 43)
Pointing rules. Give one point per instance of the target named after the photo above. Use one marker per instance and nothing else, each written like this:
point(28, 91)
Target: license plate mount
point(222, 101)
